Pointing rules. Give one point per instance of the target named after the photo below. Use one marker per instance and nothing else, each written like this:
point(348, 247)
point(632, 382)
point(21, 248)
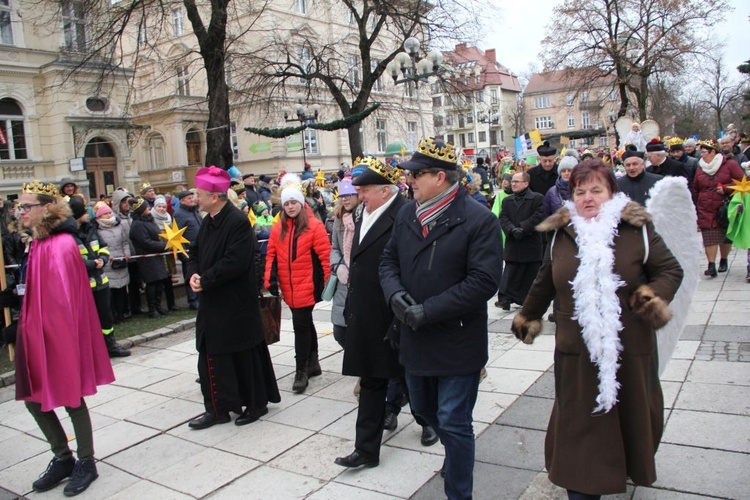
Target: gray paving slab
point(719, 372)
point(724, 398)
point(528, 412)
point(491, 482)
point(702, 471)
point(512, 447)
point(693, 332)
point(733, 333)
point(544, 387)
point(709, 430)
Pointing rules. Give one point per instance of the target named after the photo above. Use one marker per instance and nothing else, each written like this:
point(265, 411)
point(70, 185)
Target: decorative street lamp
point(306, 115)
point(412, 68)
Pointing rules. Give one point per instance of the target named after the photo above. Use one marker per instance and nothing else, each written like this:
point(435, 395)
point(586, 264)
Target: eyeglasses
point(419, 173)
point(517, 182)
point(26, 207)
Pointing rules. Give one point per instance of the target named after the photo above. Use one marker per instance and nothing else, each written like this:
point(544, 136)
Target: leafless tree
point(717, 88)
point(630, 40)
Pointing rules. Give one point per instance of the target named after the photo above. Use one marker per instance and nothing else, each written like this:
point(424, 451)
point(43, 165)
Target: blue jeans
point(446, 403)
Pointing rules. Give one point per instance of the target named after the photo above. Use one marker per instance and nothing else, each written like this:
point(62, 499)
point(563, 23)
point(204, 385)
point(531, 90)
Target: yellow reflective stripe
point(107, 331)
point(103, 251)
point(83, 250)
point(105, 279)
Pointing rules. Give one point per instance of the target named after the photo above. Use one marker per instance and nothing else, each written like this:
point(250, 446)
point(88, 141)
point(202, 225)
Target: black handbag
point(118, 264)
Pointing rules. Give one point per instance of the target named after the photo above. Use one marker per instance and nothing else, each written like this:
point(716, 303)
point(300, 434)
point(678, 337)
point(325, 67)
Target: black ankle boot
point(723, 265)
point(114, 349)
point(57, 470)
point(83, 475)
point(300, 381)
point(711, 271)
point(313, 365)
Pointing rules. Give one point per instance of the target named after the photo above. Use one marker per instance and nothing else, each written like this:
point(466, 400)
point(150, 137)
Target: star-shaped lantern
point(742, 186)
point(174, 238)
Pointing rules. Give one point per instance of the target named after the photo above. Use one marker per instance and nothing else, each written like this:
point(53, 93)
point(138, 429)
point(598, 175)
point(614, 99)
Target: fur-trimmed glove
point(650, 308)
point(525, 330)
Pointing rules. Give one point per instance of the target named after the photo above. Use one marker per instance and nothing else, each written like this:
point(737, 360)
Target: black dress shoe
point(723, 265)
point(250, 415)
point(207, 420)
point(505, 306)
point(429, 436)
point(356, 460)
point(391, 422)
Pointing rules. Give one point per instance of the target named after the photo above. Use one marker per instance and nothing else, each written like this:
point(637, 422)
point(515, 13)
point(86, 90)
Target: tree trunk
point(355, 140)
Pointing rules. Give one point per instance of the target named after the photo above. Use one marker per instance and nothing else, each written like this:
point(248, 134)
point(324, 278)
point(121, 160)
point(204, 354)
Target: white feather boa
point(597, 307)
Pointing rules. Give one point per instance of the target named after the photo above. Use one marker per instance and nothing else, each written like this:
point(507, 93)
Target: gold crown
point(391, 174)
point(709, 143)
point(675, 141)
point(137, 204)
point(38, 187)
point(238, 188)
point(443, 151)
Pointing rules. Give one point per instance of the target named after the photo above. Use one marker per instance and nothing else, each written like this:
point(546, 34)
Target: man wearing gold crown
point(60, 352)
point(439, 269)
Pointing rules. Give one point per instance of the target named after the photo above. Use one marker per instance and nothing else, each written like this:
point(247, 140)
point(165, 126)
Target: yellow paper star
point(174, 238)
point(742, 186)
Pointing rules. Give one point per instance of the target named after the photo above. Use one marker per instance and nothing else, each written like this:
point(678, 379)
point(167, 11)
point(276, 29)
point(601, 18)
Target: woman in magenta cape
point(60, 352)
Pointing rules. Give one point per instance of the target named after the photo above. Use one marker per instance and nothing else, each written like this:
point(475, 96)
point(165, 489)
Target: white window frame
point(482, 136)
point(6, 23)
point(142, 35)
point(304, 58)
point(449, 139)
point(471, 138)
point(381, 134)
point(569, 99)
point(352, 75)
point(235, 140)
point(378, 86)
point(183, 81)
point(301, 6)
point(156, 152)
point(584, 96)
point(74, 27)
point(542, 102)
point(178, 23)
point(571, 121)
point(479, 96)
point(310, 141)
point(449, 120)
point(543, 122)
point(493, 96)
point(412, 137)
point(585, 120)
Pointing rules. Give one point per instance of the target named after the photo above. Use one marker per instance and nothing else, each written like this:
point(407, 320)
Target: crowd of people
point(415, 250)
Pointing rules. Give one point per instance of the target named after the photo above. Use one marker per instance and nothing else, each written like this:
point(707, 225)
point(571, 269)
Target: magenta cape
point(61, 355)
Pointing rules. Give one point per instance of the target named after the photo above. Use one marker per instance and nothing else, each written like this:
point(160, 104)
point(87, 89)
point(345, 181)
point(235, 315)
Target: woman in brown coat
point(612, 290)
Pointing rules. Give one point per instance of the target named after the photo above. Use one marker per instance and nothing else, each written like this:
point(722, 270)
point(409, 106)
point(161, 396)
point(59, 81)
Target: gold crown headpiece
point(675, 141)
point(145, 187)
point(38, 187)
point(437, 149)
point(391, 174)
point(137, 204)
point(710, 144)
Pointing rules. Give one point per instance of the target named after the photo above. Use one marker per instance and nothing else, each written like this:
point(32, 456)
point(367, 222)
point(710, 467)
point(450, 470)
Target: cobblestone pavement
point(146, 450)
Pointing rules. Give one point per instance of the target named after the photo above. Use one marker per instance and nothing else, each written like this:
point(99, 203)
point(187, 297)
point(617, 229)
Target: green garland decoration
point(278, 133)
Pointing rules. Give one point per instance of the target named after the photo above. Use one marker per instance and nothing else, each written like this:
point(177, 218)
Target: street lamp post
point(306, 115)
point(412, 68)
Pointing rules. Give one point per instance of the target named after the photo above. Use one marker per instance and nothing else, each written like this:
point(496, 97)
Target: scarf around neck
point(596, 305)
point(713, 167)
point(429, 211)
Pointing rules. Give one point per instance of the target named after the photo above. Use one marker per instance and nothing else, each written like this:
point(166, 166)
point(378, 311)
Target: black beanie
point(77, 206)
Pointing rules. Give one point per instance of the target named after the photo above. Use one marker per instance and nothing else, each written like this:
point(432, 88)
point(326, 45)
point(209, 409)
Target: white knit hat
point(567, 163)
point(291, 189)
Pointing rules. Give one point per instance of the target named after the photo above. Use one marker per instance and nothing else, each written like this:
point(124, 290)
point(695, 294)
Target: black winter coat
point(223, 256)
point(453, 272)
point(368, 351)
point(524, 210)
point(145, 238)
point(670, 167)
point(190, 218)
point(637, 187)
point(92, 247)
point(542, 180)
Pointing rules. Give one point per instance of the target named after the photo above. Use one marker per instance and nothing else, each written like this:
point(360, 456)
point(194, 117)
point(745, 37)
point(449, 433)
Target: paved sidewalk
point(146, 449)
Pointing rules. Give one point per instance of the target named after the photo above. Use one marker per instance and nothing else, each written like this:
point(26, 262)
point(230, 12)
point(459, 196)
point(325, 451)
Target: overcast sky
point(517, 36)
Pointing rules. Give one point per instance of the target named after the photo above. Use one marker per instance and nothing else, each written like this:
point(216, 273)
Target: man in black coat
point(524, 248)
point(439, 269)
point(251, 189)
point(543, 176)
point(486, 188)
point(233, 361)
point(637, 182)
point(661, 164)
point(186, 215)
point(368, 354)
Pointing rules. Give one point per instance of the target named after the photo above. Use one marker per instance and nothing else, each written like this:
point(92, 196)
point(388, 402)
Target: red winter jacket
point(294, 259)
point(704, 187)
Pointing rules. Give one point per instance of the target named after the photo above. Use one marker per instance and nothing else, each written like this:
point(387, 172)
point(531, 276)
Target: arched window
point(12, 132)
point(156, 157)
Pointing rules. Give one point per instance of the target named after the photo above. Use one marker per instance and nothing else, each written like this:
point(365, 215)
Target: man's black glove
point(274, 289)
point(415, 317)
point(9, 333)
point(517, 233)
point(8, 298)
point(400, 301)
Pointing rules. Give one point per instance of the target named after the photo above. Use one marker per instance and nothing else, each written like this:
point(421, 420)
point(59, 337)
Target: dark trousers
point(305, 336)
point(153, 295)
point(339, 335)
point(102, 300)
point(192, 297)
point(370, 416)
point(169, 291)
point(577, 495)
point(447, 403)
point(118, 302)
point(55, 435)
point(134, 288)
point(397, 389)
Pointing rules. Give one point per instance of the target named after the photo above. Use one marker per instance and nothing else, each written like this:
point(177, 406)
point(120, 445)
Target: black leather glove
point(400, 301)
point(8, 298)
point(274, 289)
point(9, 333)
point(517, 233)
point(415, 317)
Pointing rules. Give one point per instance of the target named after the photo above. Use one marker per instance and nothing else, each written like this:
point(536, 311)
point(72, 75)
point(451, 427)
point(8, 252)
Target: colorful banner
point(527, 143)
